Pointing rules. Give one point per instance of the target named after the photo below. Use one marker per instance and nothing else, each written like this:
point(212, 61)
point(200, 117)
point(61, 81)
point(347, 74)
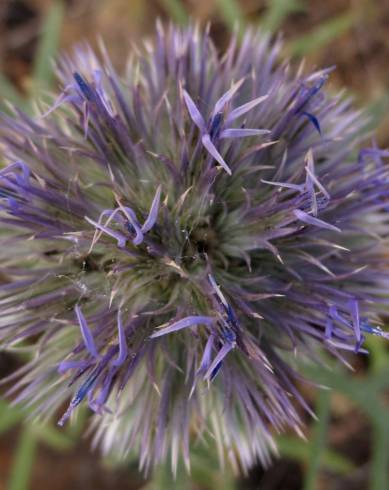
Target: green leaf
point(231, 13)
point(162, 479)
point(277, 11)
point(176, 11)
point(9, 92)
point(378, 357)
point(23, 461)
point(299, 450)
point(206, 471)
point(9, 416)
point(76, 427)
point(61, 441)
point(377, 110)
point(322, 35)
point(378, 380)
point(362, 392)
point(47, 47)
point(380, 460)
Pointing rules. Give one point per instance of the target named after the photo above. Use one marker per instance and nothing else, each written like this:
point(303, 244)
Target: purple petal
point(242, 133)
point(62, 99)
point(241, 110)
point(314, 120)
point(111, 213)
point(346, 347)
point(66, 365)
point(130, 215)
point(310, 169)
point(215, 371)
point(84, 87)
point(206, 140)
point(86, 333)
point(81, 393)
point(85, 114)
point(188, 321)
point(224, 99)
point(374, 153)
point(153, 213)
point(336, 316)
point(98, 405)
point(310, 220)
point(121, 239)
point(227, 347)
point(287, 185)
point(123, 348)
point(308, 92)
point(354, 308)
point(206, 359)
point(217, 290)
point(10, 169)
point(329, 328)
point(194, 113)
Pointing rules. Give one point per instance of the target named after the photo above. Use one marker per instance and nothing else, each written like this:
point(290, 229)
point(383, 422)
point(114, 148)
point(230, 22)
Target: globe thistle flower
point(175, 238)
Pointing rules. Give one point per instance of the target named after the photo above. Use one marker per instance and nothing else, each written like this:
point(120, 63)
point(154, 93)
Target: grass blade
point(300, 450)
point(231, 13)
point(23, 461)
point(322, 35)
point(9, 92)
point(277, 11)
point(47, 47)
point(318, 442)
point(9, 416)
point(60, 441)
point(380, 459)
point(176, 11)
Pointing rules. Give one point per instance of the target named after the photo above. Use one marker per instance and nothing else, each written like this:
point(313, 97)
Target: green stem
point(380, 459)
point(318, 440)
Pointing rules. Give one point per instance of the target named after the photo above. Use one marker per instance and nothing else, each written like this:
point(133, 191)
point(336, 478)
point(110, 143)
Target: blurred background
point(349, 447)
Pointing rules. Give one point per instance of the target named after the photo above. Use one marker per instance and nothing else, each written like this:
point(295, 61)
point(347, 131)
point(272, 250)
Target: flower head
point(174, 237)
